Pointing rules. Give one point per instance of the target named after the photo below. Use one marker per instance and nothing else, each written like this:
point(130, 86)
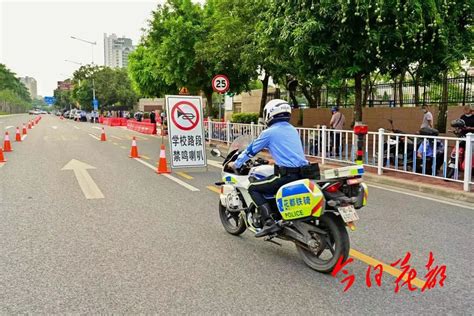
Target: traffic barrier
point(114, 121)
point(18, 135)
point(142, 127)
point(2, 157)
point(7, 147)
point(103, 138)
point(162, 164)
point(24, 129)
point(134, 149)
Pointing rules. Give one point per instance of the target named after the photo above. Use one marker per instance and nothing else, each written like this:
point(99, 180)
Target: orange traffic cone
point(103, 138)
point(2, 158)
point(24, 132)
point(32, 123)
point(134, 150)
point(29, 124)
point(162, 165)
point(6, 143)
point(18, 135)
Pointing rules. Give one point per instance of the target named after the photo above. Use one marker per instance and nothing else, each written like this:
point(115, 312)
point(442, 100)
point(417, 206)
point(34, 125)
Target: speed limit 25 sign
point(220, 83)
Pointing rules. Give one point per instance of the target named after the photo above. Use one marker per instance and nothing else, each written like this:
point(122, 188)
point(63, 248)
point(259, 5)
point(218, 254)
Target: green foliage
point(245, 118)
point(14, 97)
point(112, 87)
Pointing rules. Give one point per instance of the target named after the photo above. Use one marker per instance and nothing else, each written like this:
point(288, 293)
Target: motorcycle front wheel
point(232, 221)
point(324, 251)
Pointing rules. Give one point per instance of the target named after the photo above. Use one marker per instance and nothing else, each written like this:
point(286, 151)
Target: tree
point(14, 97)
point(112, 87)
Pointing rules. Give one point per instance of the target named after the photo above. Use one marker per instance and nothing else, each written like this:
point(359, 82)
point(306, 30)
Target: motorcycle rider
point(284, 144)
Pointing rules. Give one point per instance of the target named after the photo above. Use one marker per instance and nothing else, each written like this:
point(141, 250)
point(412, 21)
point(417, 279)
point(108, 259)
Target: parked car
point(34, 112)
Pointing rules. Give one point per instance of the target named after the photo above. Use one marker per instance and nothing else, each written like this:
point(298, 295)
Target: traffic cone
point(29, 124)
point(32, 123)
point(18, 135)
point(103, 138)
point(2, 158)
point(7, 147)
point(134, 150)
point(24, 132)
point(162, 164)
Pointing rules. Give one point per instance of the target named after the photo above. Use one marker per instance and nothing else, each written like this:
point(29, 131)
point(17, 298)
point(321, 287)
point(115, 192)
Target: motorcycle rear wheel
point(232, 222)
point(337, 243)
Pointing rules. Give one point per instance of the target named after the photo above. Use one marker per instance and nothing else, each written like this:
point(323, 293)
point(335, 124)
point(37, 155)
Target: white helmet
point(276, 110)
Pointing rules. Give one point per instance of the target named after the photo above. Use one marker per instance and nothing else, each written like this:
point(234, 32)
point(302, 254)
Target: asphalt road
point(151, 245)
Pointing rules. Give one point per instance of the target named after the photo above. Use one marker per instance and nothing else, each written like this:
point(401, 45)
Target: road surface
point(106, 234)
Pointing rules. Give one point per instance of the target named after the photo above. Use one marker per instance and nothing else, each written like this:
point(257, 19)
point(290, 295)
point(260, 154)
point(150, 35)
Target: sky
point(35, 36)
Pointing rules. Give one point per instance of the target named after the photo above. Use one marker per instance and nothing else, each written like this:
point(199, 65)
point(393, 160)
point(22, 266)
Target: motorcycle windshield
point(240, 143)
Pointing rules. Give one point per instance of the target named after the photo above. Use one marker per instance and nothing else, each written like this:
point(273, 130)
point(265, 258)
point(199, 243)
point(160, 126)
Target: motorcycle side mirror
point(215, 152)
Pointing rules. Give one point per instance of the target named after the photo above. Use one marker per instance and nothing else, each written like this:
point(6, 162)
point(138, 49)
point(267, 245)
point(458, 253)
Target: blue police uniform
point(284, 144)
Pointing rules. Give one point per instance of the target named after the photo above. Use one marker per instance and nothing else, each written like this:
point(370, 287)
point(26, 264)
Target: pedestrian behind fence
point(337, 122)
point(427, 117)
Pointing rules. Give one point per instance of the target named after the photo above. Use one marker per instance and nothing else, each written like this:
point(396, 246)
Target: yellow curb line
point(184, 175)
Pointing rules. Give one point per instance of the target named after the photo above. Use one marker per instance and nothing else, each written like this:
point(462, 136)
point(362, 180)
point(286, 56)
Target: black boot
point(270, 226)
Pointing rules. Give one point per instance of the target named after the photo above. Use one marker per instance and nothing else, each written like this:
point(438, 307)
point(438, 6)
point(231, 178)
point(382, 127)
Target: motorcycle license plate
point(348, 213)
point(451, 165)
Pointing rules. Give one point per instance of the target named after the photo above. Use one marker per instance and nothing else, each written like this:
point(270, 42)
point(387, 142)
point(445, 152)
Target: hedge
point(245, 118)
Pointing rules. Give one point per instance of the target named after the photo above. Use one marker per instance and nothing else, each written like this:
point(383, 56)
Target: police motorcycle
point(313, 213)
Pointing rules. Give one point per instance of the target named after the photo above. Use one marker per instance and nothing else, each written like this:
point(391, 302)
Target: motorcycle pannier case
point(300, 199)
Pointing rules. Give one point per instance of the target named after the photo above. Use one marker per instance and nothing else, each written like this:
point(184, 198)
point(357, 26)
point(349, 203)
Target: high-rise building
point(30, 84)
point(116, 51)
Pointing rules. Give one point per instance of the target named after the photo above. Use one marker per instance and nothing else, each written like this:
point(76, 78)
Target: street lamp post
point(92, 62)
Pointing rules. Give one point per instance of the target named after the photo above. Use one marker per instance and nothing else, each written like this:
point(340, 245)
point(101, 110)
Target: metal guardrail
point(430, 156)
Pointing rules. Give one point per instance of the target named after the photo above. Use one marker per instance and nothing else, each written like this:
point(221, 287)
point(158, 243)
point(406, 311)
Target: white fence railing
point(447, 158)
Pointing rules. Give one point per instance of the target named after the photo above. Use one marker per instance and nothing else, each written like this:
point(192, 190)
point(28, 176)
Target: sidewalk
point(406, 181)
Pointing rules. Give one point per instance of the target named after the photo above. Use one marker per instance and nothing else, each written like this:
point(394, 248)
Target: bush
point(245, 118)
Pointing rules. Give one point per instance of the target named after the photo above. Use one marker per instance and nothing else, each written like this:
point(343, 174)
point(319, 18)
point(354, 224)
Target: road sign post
point(220, 84)
point(186, 131)
point(95, 103)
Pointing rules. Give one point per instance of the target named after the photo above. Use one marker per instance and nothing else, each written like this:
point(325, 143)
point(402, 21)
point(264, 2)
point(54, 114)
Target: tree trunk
point(395, 95)
point(358, 99)
point(417, 92)
point(366, 90)
point(208, 102)
point(339, 95)
point(307, 94)
point(316, 93)
point(277, 93)
point(400, 88)
point(263, 100)
point(443, 107)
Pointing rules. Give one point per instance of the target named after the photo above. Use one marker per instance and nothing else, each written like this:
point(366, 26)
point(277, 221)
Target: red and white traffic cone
point(134, 149)
point(24, 132)
point(18, 135)
point(162, 164)
point(29, 124)
point(7, 147)
point(2, 157)
point(103, 138)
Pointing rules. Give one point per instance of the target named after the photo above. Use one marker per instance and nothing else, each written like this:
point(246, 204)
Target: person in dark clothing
point(153, 117)
point(468, 118)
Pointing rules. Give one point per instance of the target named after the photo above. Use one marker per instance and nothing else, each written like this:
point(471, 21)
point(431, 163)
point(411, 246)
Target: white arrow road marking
point(8, 127)
point(93, 136)
point(54, 127)
point(23, 137)
point(76, 127)
point(96, 127)
point(178, 181)
point(87, 184)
